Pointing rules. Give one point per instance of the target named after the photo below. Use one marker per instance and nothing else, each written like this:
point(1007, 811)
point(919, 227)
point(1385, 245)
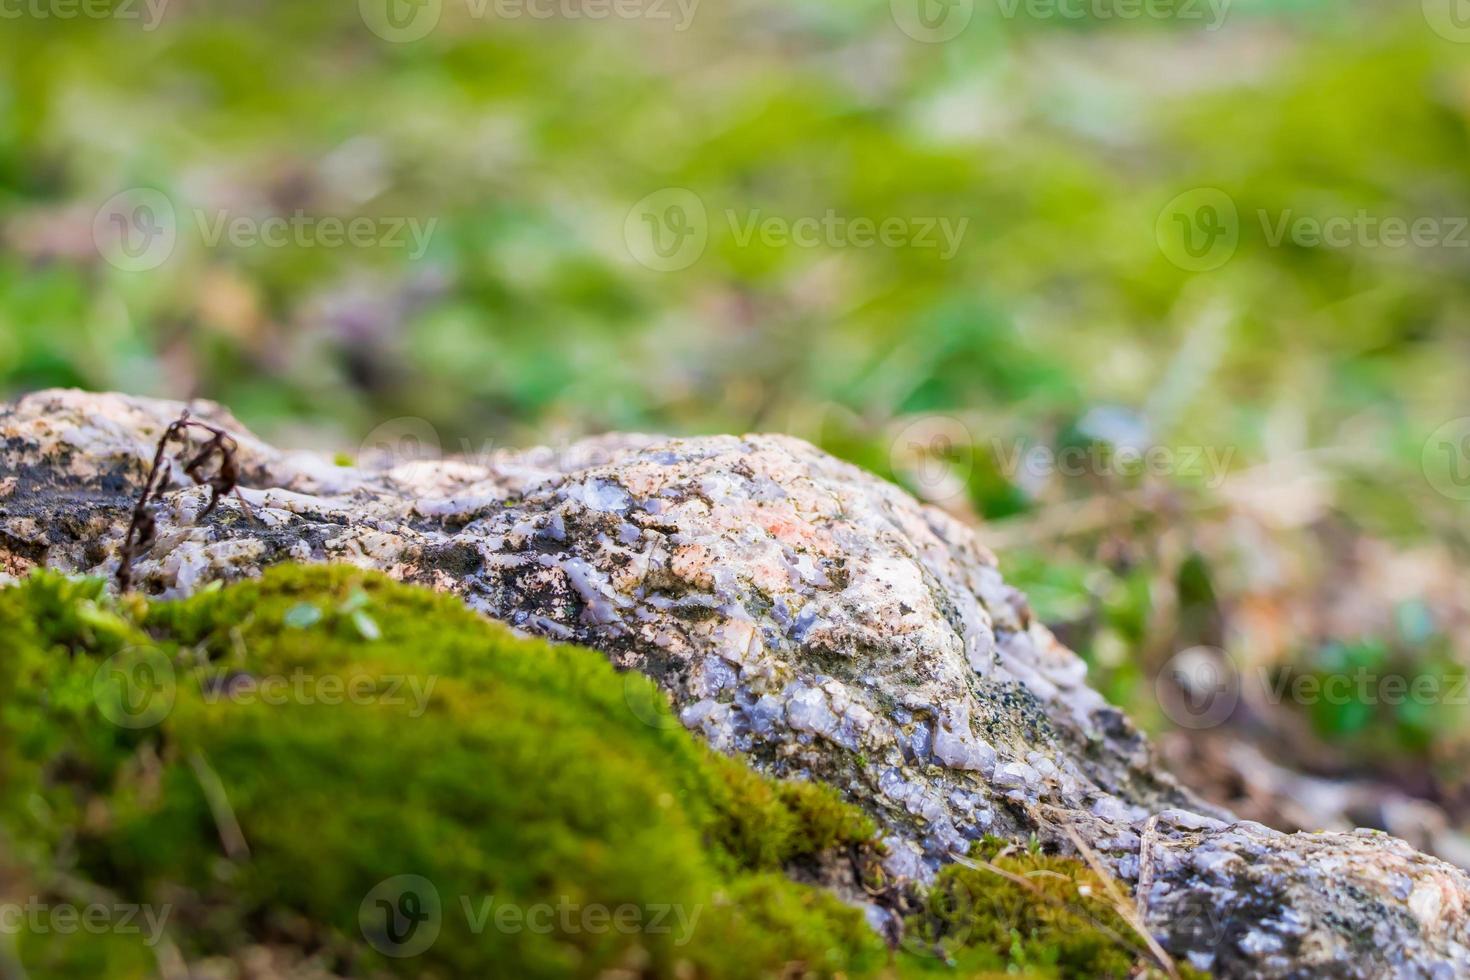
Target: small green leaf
point(302, 615)
point(367, 628)
point(358, 599)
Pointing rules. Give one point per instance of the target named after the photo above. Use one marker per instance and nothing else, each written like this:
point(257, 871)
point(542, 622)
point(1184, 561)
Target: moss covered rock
point(327, 773)
point(795, 609)
point(262, 765)
point(800, 614)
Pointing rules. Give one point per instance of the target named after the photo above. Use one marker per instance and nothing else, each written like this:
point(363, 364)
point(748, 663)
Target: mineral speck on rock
point(798, 611)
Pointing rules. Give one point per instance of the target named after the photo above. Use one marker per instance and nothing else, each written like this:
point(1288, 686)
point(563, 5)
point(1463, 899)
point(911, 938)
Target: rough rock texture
point(798, 611)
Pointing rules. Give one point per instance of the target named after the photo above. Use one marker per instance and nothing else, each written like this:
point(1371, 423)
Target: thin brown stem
point(142, 532)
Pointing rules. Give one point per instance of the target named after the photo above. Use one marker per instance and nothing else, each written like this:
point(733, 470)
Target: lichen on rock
point(796, 610)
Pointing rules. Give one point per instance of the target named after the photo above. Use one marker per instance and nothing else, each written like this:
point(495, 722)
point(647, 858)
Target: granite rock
point(797, 611)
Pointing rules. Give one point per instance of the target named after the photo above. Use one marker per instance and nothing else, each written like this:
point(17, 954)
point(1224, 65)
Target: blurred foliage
point(1063, 322)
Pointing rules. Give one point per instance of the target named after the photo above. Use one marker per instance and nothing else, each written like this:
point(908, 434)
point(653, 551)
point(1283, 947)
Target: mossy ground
point(252, 764)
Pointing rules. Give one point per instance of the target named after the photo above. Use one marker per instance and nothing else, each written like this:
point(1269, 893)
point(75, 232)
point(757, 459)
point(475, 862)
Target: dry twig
point(143, 528)
point(1146, 866)
point(1122, 906)
point(231, 836)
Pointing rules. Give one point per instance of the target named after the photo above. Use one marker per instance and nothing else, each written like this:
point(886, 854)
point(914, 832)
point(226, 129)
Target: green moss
point(1016, 909)
point(508, 772)
point(255, 762)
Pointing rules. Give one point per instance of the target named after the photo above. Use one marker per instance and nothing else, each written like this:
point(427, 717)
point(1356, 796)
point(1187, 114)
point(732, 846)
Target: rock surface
point(798, 611)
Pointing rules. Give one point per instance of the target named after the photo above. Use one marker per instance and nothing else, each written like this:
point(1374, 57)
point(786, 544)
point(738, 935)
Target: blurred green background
point(606, 204)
